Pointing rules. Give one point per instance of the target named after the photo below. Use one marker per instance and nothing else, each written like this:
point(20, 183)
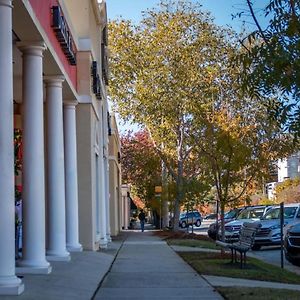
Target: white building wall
point(289, 167)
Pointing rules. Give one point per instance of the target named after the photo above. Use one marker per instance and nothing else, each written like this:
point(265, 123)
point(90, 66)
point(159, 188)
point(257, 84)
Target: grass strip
point(208, 263)
point(193, 243)
point(245, 293)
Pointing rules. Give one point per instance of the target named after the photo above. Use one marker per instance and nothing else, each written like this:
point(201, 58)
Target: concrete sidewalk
point(74, 280)
point(135, 265)
point(147, 268)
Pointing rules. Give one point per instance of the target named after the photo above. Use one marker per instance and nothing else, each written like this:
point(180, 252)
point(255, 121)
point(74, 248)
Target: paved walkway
point(147, 268)
point(141, 266)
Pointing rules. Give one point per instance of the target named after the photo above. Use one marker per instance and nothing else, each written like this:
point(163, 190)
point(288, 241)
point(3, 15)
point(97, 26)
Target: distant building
point(289, 167)
point(286, 168)
point(270, 188)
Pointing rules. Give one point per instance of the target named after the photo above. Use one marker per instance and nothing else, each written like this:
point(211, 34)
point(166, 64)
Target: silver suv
point(249, 214)
point(269, 233)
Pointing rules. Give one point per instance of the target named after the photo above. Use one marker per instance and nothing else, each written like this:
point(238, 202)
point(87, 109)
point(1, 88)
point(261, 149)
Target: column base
point(108, 237)
point(74, 248)
point(103, 243)
point(28, 268)
point(58, 256)
point(11, 285)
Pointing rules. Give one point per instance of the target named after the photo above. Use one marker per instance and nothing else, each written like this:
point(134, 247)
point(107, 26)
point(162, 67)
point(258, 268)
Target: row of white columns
point(35, 256)
point(61, 177)
point(59, 196)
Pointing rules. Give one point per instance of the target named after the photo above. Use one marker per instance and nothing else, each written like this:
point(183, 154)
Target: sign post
point(281, 231)
point(158, 191)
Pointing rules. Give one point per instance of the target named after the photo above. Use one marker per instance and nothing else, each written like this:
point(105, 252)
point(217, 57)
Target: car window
point(272, 214)
point(231, 214)
point(243, 214)
point(289, 212)
point(210, 217)
point(256, 213)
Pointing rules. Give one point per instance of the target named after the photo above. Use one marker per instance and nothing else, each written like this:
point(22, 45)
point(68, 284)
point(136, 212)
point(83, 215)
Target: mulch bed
point(168, 234)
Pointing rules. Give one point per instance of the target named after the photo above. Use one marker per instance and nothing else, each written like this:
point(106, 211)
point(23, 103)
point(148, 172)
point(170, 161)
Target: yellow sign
point(158, 189)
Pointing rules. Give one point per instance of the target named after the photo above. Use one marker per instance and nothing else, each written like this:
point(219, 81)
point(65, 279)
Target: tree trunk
point(179, 195)
point(165, 197)
point(222, 206)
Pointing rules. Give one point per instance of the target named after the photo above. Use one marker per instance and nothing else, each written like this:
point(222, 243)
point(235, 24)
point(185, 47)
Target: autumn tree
point(288, 191)
point(271, 61)
point(238, 146)
point(161, 70)
point(141, 167)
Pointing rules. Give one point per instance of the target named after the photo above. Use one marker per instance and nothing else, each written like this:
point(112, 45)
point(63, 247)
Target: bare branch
point(256, 22)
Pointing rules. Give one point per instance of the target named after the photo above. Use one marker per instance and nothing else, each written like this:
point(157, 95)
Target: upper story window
point(104, 55)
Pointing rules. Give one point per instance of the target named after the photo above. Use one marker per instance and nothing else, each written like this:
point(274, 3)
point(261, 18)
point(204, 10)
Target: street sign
point(158, 189)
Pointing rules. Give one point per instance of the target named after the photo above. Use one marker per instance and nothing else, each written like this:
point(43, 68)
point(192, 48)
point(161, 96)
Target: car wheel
point(183, 224)
point(198, 223)
point(256, 247)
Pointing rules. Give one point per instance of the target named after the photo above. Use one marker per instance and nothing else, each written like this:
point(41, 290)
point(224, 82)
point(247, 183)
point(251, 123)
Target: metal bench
point(244, 244)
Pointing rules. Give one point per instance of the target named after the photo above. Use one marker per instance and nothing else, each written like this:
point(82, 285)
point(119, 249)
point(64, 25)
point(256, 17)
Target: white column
point(10, 284)
point(106, 171)
point(56, 209)
point(103, 238)
point(33, 193)
point(71, 177)
point(107, 197)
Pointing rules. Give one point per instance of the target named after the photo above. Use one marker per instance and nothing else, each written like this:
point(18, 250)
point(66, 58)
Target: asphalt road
point(272, 255)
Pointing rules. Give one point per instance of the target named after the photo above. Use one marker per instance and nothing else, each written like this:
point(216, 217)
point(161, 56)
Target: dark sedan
point(229, 216)
point(292, 244)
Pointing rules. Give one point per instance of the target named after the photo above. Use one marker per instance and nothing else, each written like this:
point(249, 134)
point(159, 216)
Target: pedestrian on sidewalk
point(142, 218)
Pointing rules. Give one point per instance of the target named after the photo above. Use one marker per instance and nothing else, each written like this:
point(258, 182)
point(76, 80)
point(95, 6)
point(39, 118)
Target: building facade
point(53, 78)
point(289, 167)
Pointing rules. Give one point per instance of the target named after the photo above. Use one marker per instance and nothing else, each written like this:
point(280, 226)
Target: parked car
point(269, 233)
point(292, 244)
point(249, 214)
point(228, 217)
point(209, 219)
point(190, 218)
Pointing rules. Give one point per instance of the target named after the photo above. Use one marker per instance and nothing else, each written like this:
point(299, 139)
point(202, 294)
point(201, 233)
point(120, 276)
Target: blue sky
point(220, 9)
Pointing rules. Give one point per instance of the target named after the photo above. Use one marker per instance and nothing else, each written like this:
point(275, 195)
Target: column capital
point(6, 3)
point(69, 103)
point(54, 80)
point(33, 48)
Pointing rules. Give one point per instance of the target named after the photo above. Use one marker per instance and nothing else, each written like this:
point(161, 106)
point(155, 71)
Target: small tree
point(238, 146)
point(140, 164)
